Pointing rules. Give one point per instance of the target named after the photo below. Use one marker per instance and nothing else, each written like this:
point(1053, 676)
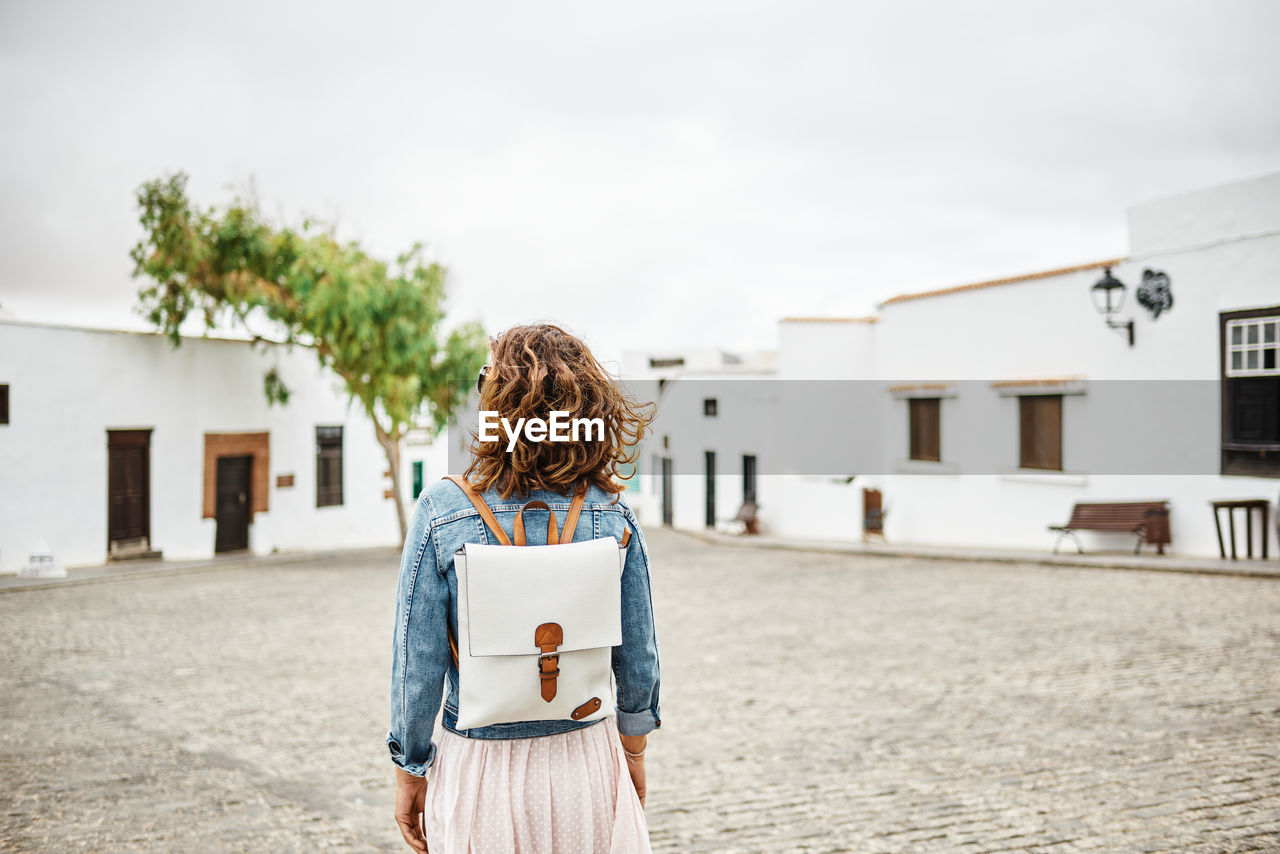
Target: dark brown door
point(872, 512)
point(128, 487)
point(233, 505)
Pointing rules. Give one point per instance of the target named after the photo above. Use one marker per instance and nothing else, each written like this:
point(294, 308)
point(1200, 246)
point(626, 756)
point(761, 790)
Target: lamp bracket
point(1127, 326)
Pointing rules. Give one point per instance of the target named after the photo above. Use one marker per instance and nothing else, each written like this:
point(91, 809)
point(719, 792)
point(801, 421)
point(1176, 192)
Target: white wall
point(1205, 216)
point(837, 349)
point(69, 386)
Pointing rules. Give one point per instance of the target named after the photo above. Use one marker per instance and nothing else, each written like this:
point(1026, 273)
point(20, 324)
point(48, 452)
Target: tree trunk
point(390, 443)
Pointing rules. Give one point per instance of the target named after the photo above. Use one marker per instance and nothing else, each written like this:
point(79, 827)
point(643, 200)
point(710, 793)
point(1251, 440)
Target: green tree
point(377, 326)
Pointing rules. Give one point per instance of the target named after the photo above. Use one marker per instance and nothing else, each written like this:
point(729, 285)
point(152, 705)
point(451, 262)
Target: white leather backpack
point(536, 624)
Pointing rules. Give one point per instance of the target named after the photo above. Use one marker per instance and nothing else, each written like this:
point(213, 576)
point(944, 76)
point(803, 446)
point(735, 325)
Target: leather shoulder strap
point(485, 513)
point(575, 510)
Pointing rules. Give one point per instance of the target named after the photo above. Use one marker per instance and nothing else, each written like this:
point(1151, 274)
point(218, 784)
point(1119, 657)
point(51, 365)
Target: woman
point(537, 786)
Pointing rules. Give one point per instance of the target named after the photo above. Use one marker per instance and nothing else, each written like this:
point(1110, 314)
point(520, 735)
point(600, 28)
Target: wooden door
point(128, 488)
point(872, 512)
point(233, 506)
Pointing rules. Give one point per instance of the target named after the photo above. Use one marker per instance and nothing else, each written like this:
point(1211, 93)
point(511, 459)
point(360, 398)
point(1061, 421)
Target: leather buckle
point(547, 637)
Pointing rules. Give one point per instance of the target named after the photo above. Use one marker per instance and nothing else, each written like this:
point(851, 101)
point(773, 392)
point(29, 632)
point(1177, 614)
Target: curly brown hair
point(533, 371)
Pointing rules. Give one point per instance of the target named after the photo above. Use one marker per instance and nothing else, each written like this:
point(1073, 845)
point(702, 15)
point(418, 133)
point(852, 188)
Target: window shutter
point(1040, 431)
point(925, 428)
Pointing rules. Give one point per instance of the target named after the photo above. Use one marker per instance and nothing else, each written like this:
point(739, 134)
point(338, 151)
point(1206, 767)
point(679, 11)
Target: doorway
point(233, 506)
point(748, 479)
point(872, 514)
point(711, 489)
point(668, 512)
point(128, 492)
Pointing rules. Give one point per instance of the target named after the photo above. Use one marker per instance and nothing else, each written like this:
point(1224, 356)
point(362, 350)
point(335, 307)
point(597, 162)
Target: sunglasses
point(484, 372)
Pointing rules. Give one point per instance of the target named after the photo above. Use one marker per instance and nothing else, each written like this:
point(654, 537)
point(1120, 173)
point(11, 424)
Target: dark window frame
point(710, 407)
point(328, 450)
point(1242, 456)
point(924, 429)
point(1041, 453)
point(4, 403)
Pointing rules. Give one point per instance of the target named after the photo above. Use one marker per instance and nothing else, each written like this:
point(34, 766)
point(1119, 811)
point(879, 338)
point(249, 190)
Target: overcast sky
point(650, 175)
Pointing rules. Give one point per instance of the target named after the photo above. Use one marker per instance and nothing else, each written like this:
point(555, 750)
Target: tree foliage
point(376, 326)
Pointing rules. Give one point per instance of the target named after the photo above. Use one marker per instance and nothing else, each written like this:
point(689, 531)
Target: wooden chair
point(749, 516)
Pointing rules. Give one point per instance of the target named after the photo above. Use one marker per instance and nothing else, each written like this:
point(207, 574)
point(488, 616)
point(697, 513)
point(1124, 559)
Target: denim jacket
point(443, 520)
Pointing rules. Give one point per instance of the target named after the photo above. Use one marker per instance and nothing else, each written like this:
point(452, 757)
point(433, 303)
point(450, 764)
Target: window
point(1251, 346)
point(1040, 431)
point(328, 466)
point(923, 413)
point(748, 478)
point(4, 404)
point(1250, 375)
point(677, 362)
point(709, 407)
point(417, 479)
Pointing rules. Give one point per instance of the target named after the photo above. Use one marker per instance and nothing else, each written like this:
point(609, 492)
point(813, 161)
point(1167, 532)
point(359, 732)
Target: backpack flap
point(511, 591)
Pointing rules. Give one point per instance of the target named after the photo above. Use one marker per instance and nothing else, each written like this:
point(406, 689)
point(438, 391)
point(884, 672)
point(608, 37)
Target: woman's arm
point(635, 662)
point(633, 746)
point(411, 801)
point(420, 654)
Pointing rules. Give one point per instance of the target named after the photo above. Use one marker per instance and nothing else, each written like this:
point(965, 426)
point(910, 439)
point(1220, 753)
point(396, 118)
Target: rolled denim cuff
point(638, 723)
point(417, 769)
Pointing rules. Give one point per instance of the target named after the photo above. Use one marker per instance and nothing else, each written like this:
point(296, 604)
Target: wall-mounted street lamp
point(1108, 297)
point(1155, 294)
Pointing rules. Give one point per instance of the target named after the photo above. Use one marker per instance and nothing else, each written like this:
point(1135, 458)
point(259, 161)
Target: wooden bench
point(1147, 520)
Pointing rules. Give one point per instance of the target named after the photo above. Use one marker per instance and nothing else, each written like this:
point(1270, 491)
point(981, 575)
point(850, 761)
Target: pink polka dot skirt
point(568, 794)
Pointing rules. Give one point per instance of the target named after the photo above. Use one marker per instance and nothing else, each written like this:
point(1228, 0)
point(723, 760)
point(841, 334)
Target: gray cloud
point(652, 175)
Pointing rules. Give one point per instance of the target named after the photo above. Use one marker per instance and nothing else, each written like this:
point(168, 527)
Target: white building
point(690, 388)
point(1028, 403)
point(115, 444)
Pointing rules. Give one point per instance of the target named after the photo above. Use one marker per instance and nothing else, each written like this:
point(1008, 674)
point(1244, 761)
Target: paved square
point(812, 703)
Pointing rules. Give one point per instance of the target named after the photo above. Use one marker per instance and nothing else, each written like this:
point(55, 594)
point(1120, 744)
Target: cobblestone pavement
point(812, 703)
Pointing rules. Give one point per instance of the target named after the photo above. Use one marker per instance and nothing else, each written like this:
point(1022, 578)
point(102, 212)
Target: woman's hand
point(633, 745)
point(411, 798)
